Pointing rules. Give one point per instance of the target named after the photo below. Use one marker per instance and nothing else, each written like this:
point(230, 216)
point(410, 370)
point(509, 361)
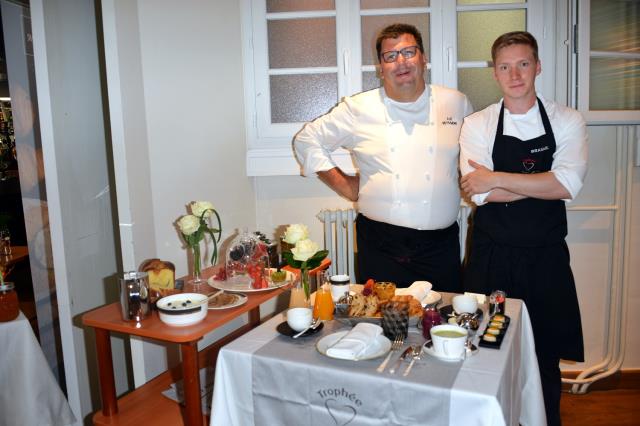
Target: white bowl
point(465, 303)
point(180, 310)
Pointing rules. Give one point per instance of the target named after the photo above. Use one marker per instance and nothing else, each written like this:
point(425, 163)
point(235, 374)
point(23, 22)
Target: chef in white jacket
point(403, 137)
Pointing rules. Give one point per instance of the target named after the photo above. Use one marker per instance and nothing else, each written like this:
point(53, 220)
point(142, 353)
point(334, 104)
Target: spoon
point(315, 324)
point(417, 353)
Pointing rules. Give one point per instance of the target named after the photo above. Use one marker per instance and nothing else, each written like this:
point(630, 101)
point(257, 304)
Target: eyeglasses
point(392, 55)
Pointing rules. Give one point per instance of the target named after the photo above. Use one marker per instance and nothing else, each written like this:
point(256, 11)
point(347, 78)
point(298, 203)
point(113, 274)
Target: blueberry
point(184, 304)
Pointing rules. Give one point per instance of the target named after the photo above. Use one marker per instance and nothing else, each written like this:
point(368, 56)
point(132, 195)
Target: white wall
point(175, 95)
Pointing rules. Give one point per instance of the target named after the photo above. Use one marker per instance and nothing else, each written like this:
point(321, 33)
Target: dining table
point(267, 378)
point(30, 393)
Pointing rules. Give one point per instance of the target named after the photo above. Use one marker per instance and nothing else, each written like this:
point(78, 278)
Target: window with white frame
point(302, 56)
point(608, 77)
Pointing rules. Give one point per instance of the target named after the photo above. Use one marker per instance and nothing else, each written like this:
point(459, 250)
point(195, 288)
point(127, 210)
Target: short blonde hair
point(514, 37)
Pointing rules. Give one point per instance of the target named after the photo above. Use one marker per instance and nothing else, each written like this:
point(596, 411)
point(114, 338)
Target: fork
point(417, 353)
point(397, 344)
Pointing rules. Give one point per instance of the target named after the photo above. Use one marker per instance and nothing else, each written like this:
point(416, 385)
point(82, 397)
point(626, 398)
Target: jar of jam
point(9, 308)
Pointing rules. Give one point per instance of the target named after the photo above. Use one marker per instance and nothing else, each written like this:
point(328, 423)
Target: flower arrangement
point(304, 255)
point(194, 227)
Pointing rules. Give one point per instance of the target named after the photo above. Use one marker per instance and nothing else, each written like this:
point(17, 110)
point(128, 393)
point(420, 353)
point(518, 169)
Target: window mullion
point(584, 46)
point(347, 47)
point(444, 22)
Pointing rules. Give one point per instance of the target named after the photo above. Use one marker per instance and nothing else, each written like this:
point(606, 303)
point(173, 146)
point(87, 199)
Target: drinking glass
point(430, 318)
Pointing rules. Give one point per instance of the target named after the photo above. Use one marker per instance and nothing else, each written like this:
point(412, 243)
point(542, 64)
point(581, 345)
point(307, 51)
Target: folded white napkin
point(419, 290)
point(355, 342)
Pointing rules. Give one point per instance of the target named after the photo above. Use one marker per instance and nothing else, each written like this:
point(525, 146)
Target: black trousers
point(404, 255)
point(551, 387)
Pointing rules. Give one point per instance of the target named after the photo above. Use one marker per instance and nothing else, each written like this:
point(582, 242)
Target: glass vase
point(299, 296)
point(196, 284)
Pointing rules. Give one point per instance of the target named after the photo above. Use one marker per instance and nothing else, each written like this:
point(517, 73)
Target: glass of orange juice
point(323, 306)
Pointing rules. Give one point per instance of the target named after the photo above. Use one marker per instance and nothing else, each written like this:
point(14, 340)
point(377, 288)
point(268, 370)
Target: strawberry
point(368, 287)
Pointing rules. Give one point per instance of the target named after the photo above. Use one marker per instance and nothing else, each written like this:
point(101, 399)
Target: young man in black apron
point(521, 159)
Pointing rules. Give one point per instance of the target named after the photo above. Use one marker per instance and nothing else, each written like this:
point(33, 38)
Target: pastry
point(161, 274)
point(489, 338)
point(385, 290)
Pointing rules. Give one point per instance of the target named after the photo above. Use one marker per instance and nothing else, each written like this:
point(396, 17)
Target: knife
point(407, 352)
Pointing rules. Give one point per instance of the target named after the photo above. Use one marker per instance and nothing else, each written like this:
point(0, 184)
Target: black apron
point(520, 247)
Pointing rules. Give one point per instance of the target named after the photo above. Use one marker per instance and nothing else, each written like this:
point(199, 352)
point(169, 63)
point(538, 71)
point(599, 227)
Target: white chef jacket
point(406, 153)
point(569, 161)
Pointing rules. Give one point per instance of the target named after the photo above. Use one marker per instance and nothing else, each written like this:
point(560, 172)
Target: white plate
point(240, 299)
point(243, 283)
point(380, 346)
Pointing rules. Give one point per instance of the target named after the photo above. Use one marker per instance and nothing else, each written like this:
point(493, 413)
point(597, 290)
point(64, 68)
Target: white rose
point(295, 233)
point(304, 249)
point(198, 207)
point(188, 224)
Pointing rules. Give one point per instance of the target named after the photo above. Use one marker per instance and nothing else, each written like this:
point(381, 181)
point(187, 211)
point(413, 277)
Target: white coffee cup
point(464, 303)
point(449, 341)
point(339, 286)
point(299, 318)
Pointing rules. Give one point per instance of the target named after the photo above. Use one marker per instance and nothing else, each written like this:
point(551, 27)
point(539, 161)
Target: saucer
point(428, 348)
point(284, 329)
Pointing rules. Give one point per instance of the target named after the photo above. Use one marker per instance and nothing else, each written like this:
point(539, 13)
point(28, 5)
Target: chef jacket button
point(430, 150)
point(425, 202)
point(427, 176)
point(393, 150)
point(397, 175)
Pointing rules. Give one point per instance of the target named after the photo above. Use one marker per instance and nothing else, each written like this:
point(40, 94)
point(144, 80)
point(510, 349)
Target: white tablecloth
point(30, 394)
point(492, 388)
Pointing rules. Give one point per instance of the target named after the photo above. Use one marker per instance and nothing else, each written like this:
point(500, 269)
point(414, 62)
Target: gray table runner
point(293, 384)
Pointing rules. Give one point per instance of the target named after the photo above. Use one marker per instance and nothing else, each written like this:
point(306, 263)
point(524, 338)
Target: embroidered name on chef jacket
point(449, 121)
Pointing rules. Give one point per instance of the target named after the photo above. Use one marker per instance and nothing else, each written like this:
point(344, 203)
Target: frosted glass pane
point(479, 86)
point(297, 5)
point(614, 84)
point(370, 81)
point(489, 1)
point(478, 30)
point(372, 25)
point(298, 43)
point(383, 4)
point(614, 25)
point(302, 97)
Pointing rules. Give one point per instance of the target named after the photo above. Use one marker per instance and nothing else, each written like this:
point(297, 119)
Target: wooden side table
point(108, 319)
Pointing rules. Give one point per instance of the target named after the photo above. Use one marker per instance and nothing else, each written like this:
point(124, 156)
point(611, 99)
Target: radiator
point(339, 230)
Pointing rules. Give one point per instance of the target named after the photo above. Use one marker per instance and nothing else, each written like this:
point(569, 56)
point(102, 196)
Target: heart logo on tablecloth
point(334, 406)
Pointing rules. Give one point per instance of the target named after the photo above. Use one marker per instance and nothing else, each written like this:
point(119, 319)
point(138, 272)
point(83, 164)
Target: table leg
point(254, 316)
point(105, 366)
point(191, 383)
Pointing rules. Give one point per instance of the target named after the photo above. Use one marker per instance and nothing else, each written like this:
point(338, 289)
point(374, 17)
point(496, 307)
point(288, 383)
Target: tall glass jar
point(9, 307)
